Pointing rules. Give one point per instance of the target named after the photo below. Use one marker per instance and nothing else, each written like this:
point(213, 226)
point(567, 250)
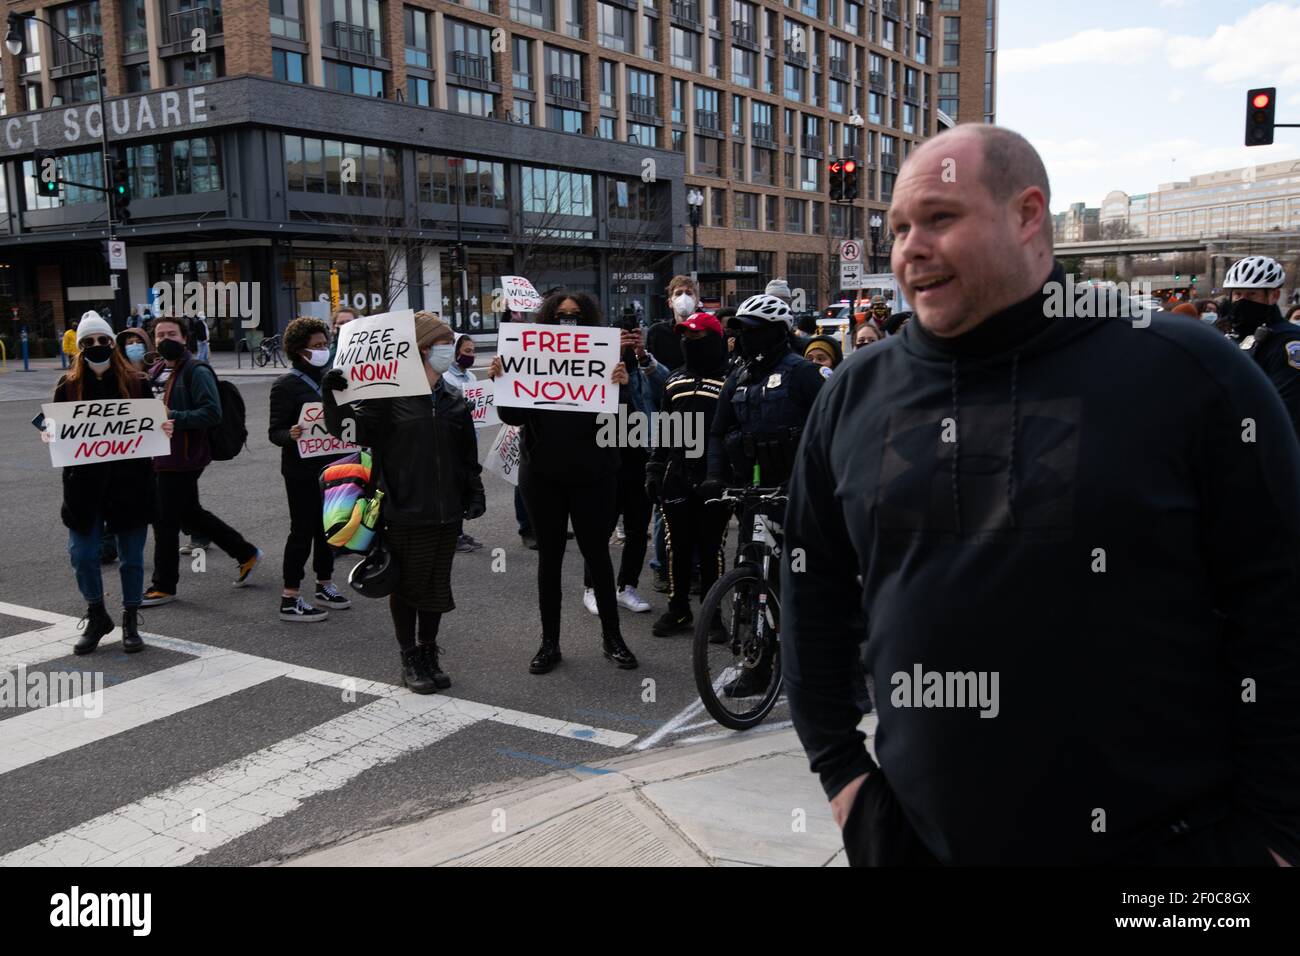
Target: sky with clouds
point(1129, 94)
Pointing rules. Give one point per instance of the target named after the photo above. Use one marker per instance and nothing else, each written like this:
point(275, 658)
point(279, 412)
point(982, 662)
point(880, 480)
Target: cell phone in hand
point(39, 422)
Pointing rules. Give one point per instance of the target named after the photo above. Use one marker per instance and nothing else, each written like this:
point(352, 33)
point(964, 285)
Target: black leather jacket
point(427, 450)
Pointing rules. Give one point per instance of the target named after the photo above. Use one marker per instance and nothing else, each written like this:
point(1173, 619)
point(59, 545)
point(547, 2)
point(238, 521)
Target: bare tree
point(631, 238)
point(1119, 229)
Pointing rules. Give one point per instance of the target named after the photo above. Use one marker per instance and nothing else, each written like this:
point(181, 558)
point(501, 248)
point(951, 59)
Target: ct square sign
point(128, 116)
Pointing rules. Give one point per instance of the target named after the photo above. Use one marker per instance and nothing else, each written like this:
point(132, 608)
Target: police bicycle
point(737, 649)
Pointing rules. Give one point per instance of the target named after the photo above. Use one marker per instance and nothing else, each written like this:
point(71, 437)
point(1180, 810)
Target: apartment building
point(557, 138)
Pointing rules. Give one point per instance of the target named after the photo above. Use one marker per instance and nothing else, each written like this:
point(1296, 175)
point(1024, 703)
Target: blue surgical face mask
point(135, 351)
point(440, 357)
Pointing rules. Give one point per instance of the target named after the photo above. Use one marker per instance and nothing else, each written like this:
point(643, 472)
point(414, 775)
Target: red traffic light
point(1261, 101)
point(850, 166)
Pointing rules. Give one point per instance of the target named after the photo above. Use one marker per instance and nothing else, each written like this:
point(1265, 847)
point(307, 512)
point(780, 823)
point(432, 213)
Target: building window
point(649, 37)
point(951, 42)
point(613, 27)
point(717, 206)
point(642, 134)
point(137, 78)
point(73, 167)
point(353, 79)
point(794, 215)
point(771, 206)
point(286, 19)
point(685, 49)
point(195, 69)
point(608, 74)
point(352, 25)
point(564, 121)
point(762, 170)
point(744, 64)
point(556, 191)
point(470, 102)
point(628, 199)
point(521, 111)
point(285, 65)
point(948, 93)
point(177, 168)
point(135, 34)
point(522, 67)
point(469, 50)
point(708, 156)
point(315, 166)
point(794, 83)
point(746, 210)
point(419, 37)
point(418, 91)
point(607, 127)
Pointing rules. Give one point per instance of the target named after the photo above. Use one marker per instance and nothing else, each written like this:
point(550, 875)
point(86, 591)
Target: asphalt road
point(62, 800)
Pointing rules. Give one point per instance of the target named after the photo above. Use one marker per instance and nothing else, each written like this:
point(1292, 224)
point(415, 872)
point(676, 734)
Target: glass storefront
point(362, 283)
point(199, 267)
point(475, 315)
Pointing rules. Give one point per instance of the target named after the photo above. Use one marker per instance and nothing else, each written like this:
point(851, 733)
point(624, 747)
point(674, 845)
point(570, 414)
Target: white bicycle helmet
point(765, 308)
point(1255, 272)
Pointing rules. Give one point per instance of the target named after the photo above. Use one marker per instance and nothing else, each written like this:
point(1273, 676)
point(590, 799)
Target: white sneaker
point(628, 597)
point(589, 600)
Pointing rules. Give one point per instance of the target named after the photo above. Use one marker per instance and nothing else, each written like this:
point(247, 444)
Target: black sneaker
point(295, 610)
point(331, 597)
point(670, 624)
point(529, 540)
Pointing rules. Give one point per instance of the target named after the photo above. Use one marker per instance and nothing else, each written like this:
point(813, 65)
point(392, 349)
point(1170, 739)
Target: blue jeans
point(659, 562)
point(84, 551)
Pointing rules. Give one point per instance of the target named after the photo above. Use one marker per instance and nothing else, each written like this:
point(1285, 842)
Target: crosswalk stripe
point(49, 731)
point(239, 797)
point(44, 644)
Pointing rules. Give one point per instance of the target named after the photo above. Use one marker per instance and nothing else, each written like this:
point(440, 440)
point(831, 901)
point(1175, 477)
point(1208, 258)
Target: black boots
point(440, 680)
point(415, 672)
point(131, 641)
point(547, 656)
point(617, 651)
point(97, 624)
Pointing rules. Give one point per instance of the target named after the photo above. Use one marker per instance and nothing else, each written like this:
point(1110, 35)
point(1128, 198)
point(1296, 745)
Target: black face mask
point(704, 355)
point(170, 350)
point(762, 340)
point(97, 353)
point(1246, 316)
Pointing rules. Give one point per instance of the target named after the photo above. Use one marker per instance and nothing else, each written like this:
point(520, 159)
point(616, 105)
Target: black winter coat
point(427, 450)
point(691, 395)
point(288, 395)
point(120, 493)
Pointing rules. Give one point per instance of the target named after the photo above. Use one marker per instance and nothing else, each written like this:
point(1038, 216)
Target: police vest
point(770, 423)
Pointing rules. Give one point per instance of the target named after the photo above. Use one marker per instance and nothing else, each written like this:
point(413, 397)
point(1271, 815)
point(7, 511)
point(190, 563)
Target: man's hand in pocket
point(842, 802)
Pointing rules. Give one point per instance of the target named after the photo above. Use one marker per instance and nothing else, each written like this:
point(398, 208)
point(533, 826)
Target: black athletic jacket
point(1277, 351)
point(1069, 505)
point(689, 395)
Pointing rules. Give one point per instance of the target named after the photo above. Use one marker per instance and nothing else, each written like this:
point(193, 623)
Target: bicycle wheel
point(260, 358)
point(738, 678)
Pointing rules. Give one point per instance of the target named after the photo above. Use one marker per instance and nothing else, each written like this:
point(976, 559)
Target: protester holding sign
point(427, 458)
point(113, 497)
point(306, 343)
point(461, 377)
point(567, 476)
point(194, 406)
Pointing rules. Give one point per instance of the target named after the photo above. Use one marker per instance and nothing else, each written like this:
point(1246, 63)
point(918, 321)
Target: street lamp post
point(875, 222)
point(15, 43)
point(695, 202)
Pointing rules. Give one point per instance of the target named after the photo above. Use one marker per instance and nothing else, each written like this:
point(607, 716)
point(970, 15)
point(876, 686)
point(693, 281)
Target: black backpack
point(228, 437)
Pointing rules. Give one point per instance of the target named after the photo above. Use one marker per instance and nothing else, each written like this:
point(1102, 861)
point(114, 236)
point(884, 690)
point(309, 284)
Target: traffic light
point(121, 193)
point(1193, 280)
point(46, 166)
point(836, 179)
point(459, 258)
point(851, 176)
point(1261, 105)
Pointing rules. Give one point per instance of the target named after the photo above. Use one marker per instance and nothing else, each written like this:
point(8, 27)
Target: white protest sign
point(379, 357)
point(85, 433)
point(482, 403)
point(315, 439)
point(504, 455)
point(561, 367)
point(520, 295)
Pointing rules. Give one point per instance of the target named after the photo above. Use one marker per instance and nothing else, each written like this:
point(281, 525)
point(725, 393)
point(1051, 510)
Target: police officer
point(1254, 320)
point(760, 417)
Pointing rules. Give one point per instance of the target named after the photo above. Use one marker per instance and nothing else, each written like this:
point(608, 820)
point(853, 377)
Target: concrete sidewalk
point(747, 800)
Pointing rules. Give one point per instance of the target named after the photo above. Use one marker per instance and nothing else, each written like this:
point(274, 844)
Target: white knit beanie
point(92, 324)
